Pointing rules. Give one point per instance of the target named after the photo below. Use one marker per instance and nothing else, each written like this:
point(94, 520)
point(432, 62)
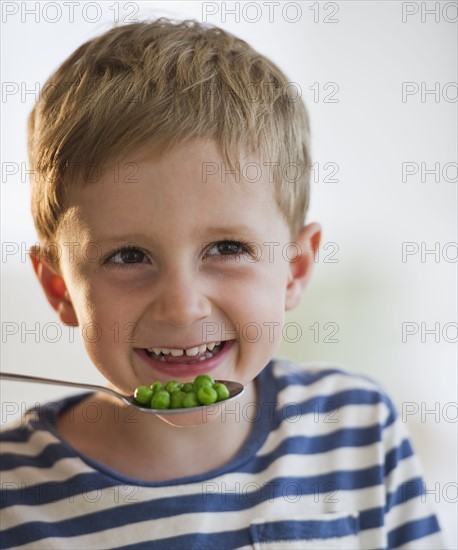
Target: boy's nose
point(180, 300)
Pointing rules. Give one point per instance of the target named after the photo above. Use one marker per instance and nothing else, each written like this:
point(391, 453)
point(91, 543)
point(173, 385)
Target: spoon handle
point(53, 382)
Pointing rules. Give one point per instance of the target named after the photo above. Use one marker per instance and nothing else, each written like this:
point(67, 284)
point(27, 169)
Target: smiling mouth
point(188, 356)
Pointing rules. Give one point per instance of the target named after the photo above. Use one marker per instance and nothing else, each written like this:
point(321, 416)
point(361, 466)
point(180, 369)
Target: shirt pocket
point(336, 530)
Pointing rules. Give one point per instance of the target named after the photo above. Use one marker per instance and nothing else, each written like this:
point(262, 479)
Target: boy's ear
point(54, 287)
point(300, 267)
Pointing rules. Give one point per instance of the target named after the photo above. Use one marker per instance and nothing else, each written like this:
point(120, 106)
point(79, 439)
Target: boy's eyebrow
point(240, 229)
point(232, 230)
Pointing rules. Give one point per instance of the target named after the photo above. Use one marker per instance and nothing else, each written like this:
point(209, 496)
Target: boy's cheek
point(264, 326)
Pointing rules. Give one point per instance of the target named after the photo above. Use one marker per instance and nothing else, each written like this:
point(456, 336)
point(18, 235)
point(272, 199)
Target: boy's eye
point(128, 256)
point(226, 248)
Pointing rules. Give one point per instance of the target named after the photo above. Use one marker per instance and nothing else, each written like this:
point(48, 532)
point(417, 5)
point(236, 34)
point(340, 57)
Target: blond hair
point(158, 84)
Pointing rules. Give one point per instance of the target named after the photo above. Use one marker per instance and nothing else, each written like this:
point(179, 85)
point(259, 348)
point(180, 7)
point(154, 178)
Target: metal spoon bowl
point(235, 390)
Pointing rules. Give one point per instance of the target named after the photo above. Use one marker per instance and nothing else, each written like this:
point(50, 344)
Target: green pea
point(157, 386)
point(190, 400)
point(173, 386)
point(176, 400)
point(202, 391)
point(160, 400)
point(206, 395)
point(222, 391)
point(203, 380)
point(143, 395)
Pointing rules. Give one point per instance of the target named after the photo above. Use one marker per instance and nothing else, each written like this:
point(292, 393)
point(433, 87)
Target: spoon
point(235, 390)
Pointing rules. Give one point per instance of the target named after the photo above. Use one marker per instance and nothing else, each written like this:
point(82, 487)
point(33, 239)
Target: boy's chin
point(195, 417)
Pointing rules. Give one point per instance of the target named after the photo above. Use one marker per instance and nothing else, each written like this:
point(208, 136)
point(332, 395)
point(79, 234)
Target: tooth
point(202, 348)
point(217, 343)
point(211, 346)
point(176, 352)
point(165, 351)
point(157, 351)
point(193, 351)
point(149, 349)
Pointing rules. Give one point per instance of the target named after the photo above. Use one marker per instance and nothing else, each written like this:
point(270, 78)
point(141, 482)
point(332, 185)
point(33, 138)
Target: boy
point(172, 188)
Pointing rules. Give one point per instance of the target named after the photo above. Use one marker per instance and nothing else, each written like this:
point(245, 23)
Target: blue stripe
point(224, 496)
point(408, 489)
point(371, 518)
point(46, 459)
point(228, 498)
point(45, 493)
point(276, 531)
point(328, 406)
point(303, 377)
point(211, 491)
point(413, 530)
point(302, 445)
point(17, 435)
point(294, 445)
point(196, 541)
point(346, 437)
point(393, 457)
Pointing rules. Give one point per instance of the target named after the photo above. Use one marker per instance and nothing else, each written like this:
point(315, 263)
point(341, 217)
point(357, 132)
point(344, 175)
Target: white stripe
point(335, 380)
point(373, 538)
point(309, 466)
point(399, 478)
point(92, 501)
point(310, 425)
point(286, 367)
point(414, 509)
point(289, 503)
point(60, 471)
point(328, 385)
point(349, 542)
point(182, 524)
point(290, 465)
point(431, 542)
point(37, 442)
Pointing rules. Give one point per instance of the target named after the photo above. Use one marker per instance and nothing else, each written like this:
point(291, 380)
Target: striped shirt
point(327, 464)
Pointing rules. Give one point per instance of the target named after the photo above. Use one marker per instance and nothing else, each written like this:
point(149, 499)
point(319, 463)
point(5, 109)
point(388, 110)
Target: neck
point(144, 446)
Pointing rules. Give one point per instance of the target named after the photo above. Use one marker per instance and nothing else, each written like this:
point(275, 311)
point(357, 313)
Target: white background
point(361, 286)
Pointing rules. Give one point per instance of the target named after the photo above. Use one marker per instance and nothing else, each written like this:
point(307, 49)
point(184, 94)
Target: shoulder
point(33, 440)
point(329, 383)
point(21, 434)
point(311, 373)
point(338, 411)
point(329, 399)
point(26, 443)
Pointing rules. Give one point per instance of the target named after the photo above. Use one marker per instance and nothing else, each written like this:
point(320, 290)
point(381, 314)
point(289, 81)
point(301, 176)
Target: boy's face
point(175, 253)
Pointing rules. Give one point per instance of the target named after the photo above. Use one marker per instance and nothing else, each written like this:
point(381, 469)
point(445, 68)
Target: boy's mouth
point(189, 356)
point(182, 363)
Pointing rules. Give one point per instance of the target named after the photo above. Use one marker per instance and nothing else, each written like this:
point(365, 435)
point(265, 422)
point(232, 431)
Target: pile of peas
point(174, 395)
